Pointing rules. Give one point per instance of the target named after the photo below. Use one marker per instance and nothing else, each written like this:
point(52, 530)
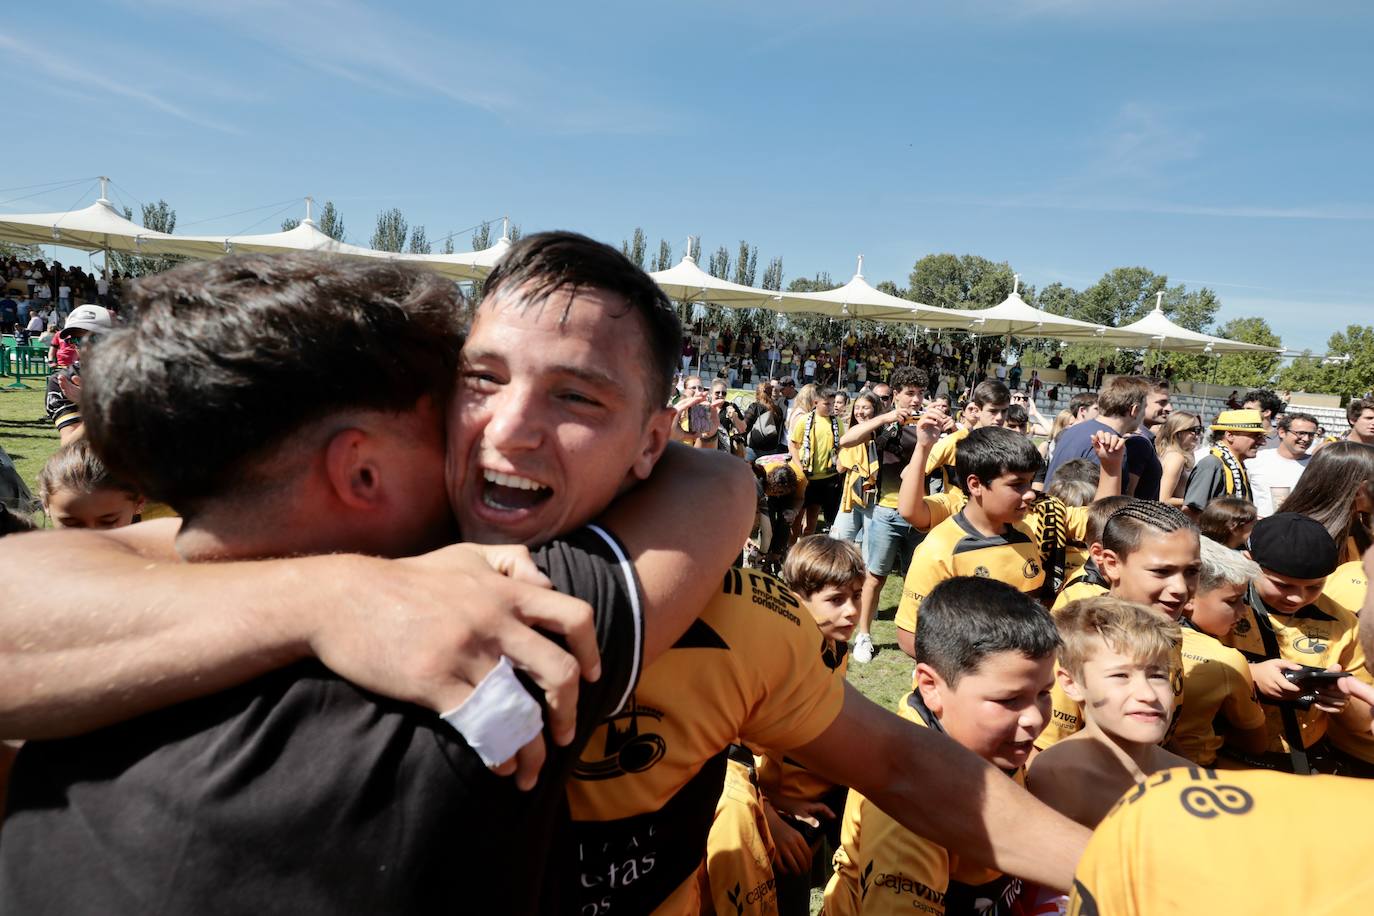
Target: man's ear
point(932, 688)
point(657, 433)
point(351, 468)
point(1072, 689)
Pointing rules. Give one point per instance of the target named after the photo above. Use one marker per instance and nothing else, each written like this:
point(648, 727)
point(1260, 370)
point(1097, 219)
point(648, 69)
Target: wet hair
point(1099, 512)
point(1126, 627)
point(992, 451)
point(1326, 491)
point(539, 265)
point(819, 561)
point(75, 467)
point(1223, 566)
point(224, 361)
point(989, 393)
point(966, 619)
point(1122, 395)
point(1224, 516)
point(905, 376)
point(1125, 528)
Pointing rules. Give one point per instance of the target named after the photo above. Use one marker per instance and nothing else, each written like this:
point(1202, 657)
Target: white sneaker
point(863, 649)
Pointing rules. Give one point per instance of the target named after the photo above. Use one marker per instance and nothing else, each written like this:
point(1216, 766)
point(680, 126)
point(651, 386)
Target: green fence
point(21, 363)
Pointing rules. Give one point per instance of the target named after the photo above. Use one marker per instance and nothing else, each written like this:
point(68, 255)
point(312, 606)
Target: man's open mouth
point(511, 492)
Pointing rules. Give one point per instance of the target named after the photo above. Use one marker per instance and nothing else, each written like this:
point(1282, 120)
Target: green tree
point(892, 289)
point(390, 234)
point(772, 275)
point(746, 263)
point(1348, 378)
point(635, 247)
point(665, 256)
point(962, 282)
point(289, 223)
point(481, 237)
point(1058, 299)
point(1242, 370)
point(513, 235)
point(159, 217)
point(331, 223)
point(419, 242)
point(448, 245)
point(1123, 295)
point(719, 265)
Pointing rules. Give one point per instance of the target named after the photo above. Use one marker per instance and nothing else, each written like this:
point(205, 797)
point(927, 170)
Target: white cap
point(92, 318)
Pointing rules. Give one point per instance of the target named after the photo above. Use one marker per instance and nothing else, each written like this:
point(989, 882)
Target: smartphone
point(698, 418)
point(1314, 678)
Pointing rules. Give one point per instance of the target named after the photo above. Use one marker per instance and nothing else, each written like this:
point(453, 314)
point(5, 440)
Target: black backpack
point(764, 436)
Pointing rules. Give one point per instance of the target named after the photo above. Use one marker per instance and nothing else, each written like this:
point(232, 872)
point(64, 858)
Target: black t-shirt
point(1142, 459)
point(301, 793)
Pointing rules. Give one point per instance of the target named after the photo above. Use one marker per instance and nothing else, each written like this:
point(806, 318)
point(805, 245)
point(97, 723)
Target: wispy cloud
point(38, 57)
point(381, 51)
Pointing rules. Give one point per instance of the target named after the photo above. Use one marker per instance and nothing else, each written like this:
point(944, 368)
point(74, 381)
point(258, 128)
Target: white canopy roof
point(686, 282)
point(93, 228)
point(1016, 317)
point(857, 299)
point(1162, 334)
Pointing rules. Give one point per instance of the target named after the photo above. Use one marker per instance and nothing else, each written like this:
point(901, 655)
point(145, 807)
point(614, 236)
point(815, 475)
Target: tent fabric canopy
point(857, 299)
point(687, 282)
point(1163, 334)
point(1016, 317)
point(95, 228)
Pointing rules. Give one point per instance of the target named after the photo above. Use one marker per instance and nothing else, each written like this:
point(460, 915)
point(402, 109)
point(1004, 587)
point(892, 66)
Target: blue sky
point(1221, 143)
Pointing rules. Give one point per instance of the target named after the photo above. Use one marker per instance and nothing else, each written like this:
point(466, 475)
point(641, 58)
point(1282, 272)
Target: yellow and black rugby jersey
point(882, 867)
point(779, 776)
point(1217, 681)
point(1347, 586)
point(739, 850)
point(1321, 634)
point(1084, 582)
point(946, 505)
point(1201, 841)
point(940, 459)
point(1066, 713)
point(754, 668)
point(956, 548)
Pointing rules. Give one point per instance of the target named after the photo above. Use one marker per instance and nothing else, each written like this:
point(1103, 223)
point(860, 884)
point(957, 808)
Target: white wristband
point(499, 718)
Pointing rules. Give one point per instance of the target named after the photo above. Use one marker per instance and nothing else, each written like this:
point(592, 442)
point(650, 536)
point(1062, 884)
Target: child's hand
point(1269, 679)
point(807, 810)
point(1110, 450)
point(793, 852)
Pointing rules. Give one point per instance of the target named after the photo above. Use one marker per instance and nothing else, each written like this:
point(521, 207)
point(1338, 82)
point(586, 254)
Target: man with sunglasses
point(64, 385)
point(1274, 472)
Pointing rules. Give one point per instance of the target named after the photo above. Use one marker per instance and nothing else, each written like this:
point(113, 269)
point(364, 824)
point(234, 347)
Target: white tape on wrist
point(499, 718)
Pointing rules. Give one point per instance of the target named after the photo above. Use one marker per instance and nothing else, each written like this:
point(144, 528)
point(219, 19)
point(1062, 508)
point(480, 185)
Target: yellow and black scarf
point(1236, 479)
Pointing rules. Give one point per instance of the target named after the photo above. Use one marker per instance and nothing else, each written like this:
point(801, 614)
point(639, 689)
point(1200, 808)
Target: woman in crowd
point(1061, 422)
point(1337, 489)
point(763, 437)
point(859, 464)
point(1175, 443)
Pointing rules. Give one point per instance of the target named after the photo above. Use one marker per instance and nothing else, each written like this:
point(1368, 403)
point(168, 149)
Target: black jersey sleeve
point(593, 565)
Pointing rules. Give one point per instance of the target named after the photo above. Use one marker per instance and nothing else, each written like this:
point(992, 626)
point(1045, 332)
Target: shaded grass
point(25, 431)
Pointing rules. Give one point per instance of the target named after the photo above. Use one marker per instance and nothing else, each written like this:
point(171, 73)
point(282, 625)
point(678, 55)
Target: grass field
point(25, 432)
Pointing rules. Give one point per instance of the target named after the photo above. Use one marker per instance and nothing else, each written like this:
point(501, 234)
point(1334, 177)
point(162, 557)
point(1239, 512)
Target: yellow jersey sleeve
point(1076, 589)
point(942, 453)
point(930, 565)
point(1076, 522)
point(1191, 840)
point(882, 868)
point(1347, 586)
point(1216, 681)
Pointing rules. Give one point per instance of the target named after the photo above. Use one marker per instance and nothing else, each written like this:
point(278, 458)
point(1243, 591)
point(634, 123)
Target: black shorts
point(824, 493)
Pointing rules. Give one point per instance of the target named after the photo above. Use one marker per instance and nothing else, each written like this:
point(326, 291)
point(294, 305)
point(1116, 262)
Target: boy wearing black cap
point(1291, 624)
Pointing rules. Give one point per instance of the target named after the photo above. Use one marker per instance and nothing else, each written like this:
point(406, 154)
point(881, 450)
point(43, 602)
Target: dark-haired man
point(1270, 407)
point(1274, 472)
point(298, 789)
point(1121, 410)
point(889, 539)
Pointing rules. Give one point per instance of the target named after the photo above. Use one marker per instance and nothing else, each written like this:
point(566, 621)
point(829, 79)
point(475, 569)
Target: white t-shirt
point(1272, 478)
point(809, 367)
point(64, 292)
point(36, 325)
point(44, 291)
point(102, 286)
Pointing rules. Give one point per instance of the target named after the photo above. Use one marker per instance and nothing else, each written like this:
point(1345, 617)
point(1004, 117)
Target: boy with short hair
point(1290, 624)
point(985, 663)
point(1117, 663)
point(814, 444)
point(796, 807)
point(1220, 686)
point(987, 407)
point(990, 535)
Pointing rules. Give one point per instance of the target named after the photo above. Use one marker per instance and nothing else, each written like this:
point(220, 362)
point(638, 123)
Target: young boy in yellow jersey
point(1190, 841)
point(985, 662)
point(990, 535)
point(814, 444)
point(1085, 580)
point(1291, 624)
point(988, 403)
point(1148, 554)
point(798, 808)
point(1217, 679)
point(1116, 663)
